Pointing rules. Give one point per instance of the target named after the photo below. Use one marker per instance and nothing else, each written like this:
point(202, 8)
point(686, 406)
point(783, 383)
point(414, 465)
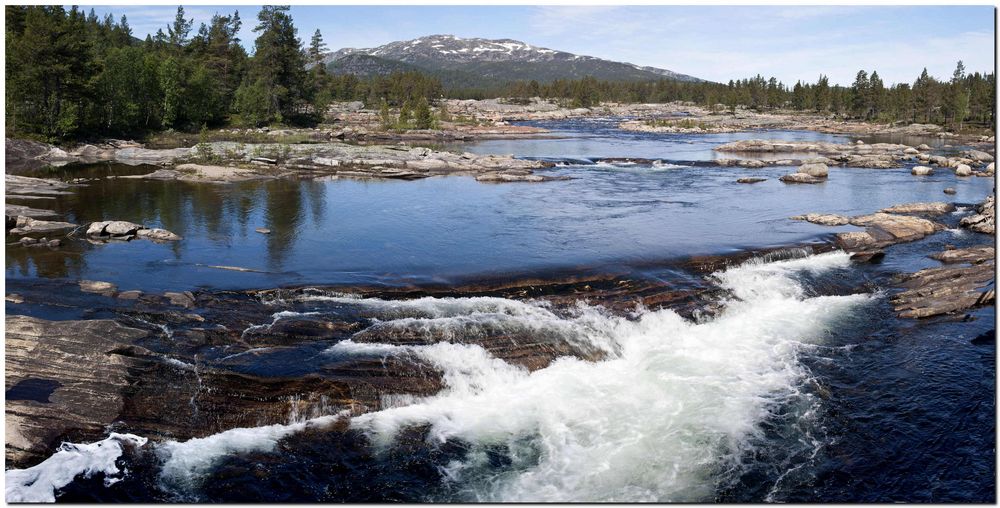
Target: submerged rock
point(157, 234)
point(748, 179)
point(825, 219)
point(949, 190)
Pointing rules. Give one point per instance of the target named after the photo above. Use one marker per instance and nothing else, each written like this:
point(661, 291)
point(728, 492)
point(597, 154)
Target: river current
point(804, 386)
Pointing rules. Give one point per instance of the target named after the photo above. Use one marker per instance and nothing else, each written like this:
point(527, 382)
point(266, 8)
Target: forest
point(71, 75)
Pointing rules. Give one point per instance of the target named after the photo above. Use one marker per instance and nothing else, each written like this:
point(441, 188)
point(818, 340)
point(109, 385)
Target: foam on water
point(678, 403)
point(669, 415)
point(38, 484)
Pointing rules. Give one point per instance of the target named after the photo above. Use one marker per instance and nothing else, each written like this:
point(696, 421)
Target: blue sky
point(712, 42)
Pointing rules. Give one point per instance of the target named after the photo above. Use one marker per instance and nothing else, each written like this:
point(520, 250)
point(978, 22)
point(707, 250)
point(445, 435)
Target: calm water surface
point(444, 228)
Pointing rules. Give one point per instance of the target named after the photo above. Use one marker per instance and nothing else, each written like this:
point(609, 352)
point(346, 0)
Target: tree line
point(72, 75)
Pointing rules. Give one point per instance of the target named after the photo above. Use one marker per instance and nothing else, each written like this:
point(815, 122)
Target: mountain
point(485, 62)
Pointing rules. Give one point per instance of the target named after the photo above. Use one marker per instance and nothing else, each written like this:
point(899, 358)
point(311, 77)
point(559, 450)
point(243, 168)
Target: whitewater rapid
point(669, 415)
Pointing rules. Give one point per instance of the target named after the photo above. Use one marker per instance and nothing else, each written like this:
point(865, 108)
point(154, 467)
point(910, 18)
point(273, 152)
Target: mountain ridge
point(489, 61)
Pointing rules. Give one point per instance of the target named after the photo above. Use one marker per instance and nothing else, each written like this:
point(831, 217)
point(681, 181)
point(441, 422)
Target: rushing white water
point(676, 404)
point(38, 484)
point(667, 416)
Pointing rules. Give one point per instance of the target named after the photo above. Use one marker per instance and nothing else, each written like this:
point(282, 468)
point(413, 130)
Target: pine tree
point(316, 49)
point(424, 118)
point(180, 29)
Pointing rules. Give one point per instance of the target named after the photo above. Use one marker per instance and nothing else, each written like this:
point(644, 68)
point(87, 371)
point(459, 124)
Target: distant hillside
point(482, 62)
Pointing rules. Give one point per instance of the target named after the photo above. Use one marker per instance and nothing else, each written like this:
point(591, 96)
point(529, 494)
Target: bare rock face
point(949, 289)
point(921, 171)
point(800, 178)
point(61, 377)
point(825, 219)
point(933, 208)
point(984, 221)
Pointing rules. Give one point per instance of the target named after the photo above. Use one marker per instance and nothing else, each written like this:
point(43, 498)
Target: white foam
point(675, 404)
point(186, 463)
point(38, 484)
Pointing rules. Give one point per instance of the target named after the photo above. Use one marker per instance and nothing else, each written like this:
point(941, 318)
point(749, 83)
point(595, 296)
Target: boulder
point(113, 228)
point(157, 234)
point(923, 147)
point(921, 171)
point(963, 170)
point(800, 178)
point(911, 151)
point(817, 170)
point(825, 219)
point(978, 155)
point(949, 190)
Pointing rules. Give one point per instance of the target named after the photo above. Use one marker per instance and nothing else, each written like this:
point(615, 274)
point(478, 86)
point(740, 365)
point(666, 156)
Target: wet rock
point(130, 295)
point(825, 219)
point(973, 255)
point(14, 298)
point(933, 208)
point(98, 287)
point(748, 179)
point(984, 221)
point(949, 190)
point(911, 151)
point(855, 241)
point(83, 382)
point(963, 170)
point(816, 170)
point(921, 171)
point(184, 299)
point(868, 256)
point(263, 231)
point(945, 290)
point(800, 178)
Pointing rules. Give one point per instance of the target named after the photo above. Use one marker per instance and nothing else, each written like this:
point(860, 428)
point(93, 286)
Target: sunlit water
point(446, 228)
point(805, 387)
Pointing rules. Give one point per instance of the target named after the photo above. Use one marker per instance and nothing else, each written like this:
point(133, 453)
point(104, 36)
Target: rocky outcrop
point(28, 226)
point(124, 230)
point(933, 208)
point(984, 220)
point(949, 289)
point(62, 377)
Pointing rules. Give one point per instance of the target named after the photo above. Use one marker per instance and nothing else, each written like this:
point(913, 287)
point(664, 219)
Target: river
point(799, 385)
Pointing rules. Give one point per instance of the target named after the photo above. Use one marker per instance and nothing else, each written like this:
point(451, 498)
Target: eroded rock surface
point(984, 220)
point(966, 282)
